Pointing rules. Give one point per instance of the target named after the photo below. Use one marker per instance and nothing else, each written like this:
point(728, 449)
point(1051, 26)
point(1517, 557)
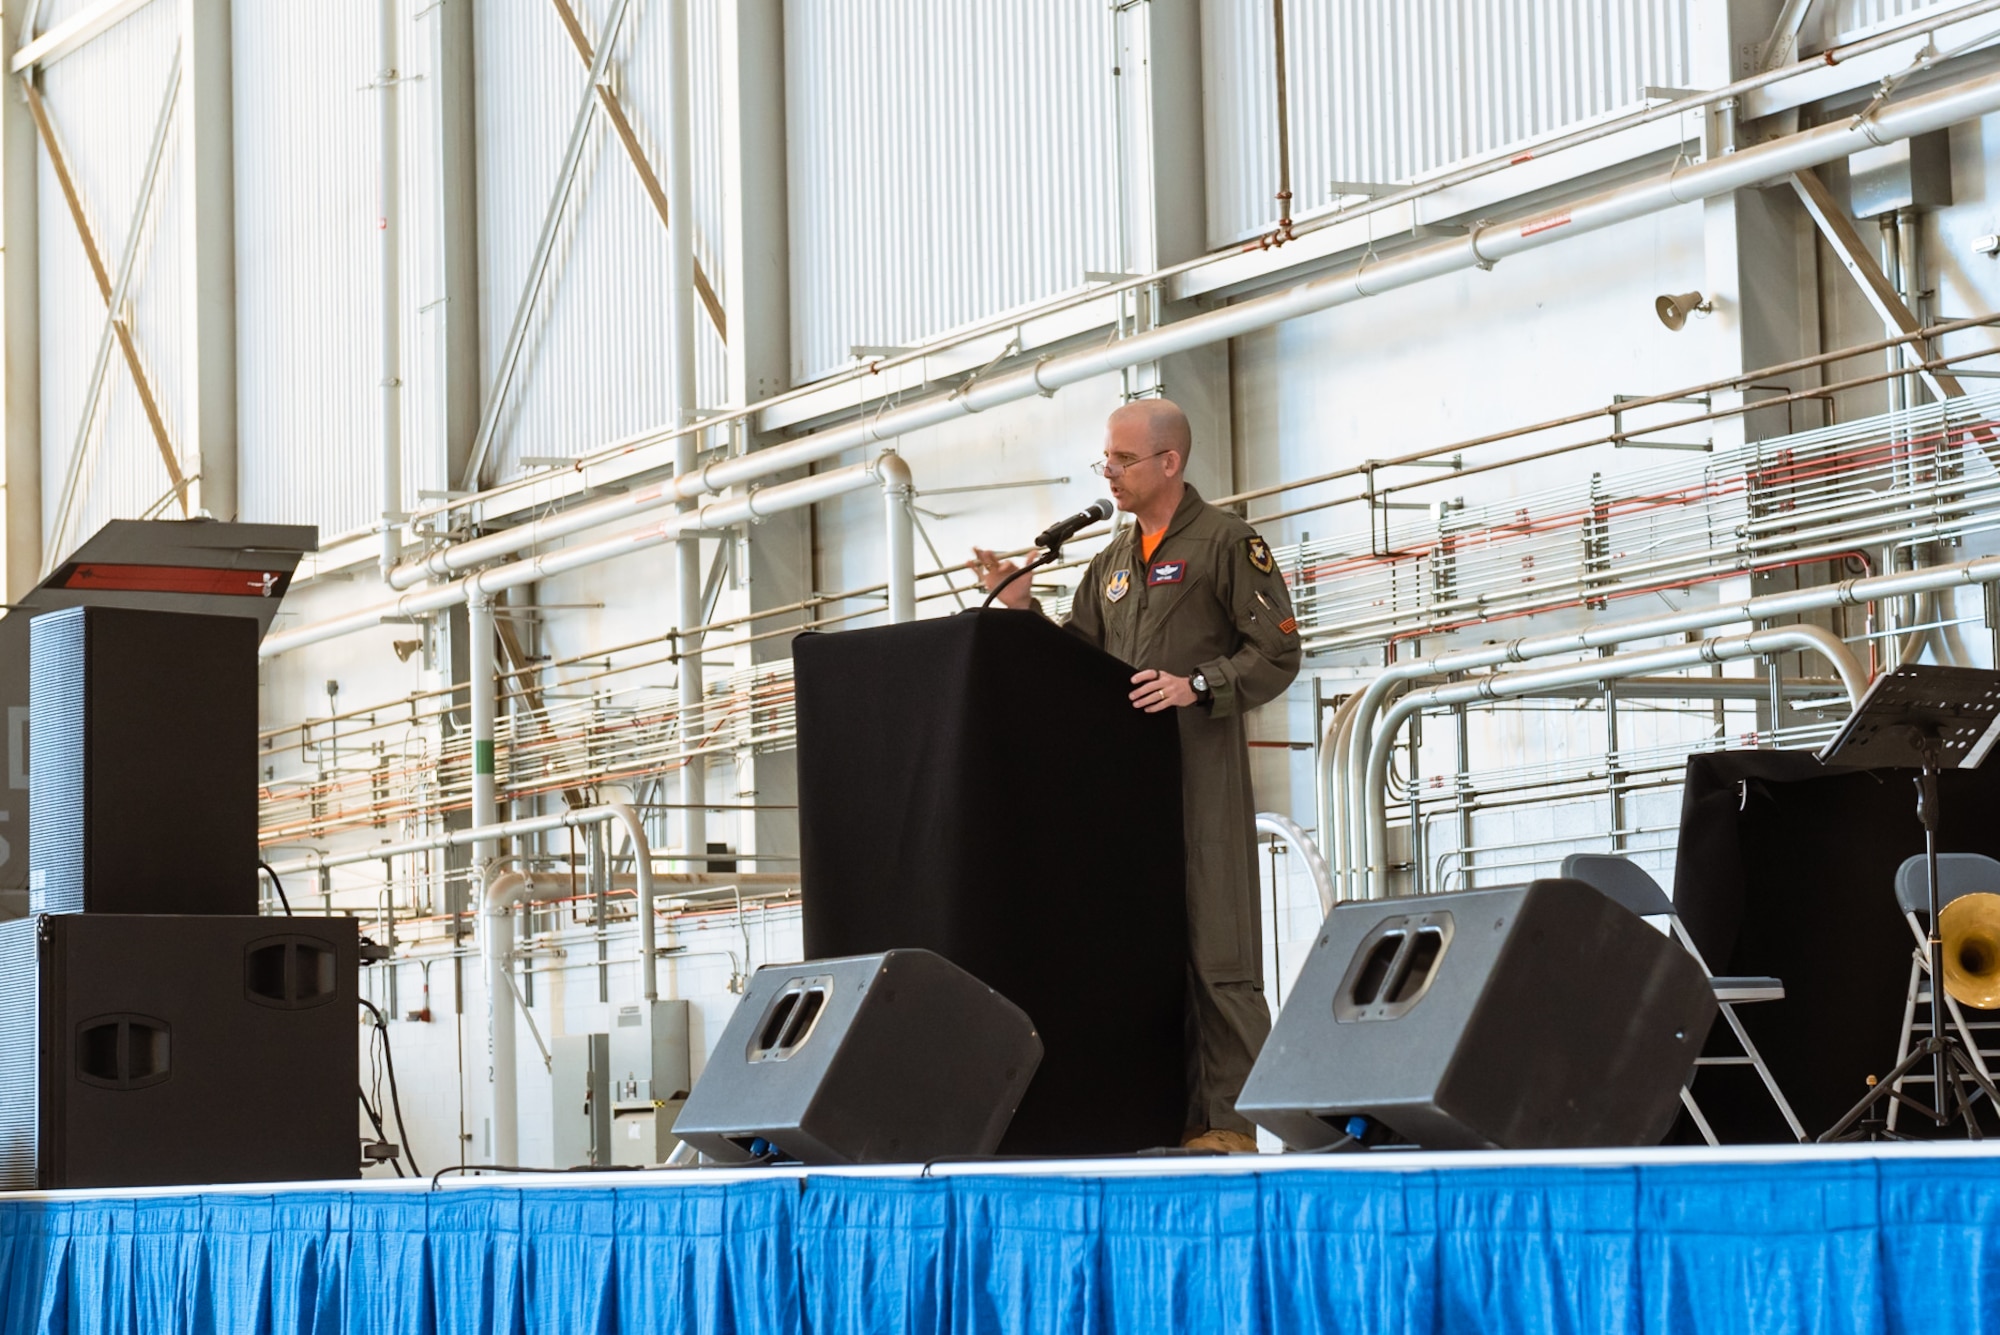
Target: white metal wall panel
point(308, 264)
point(104, 99)
point(1836, 21)
point(307, 291)
point(947, 162)
point(1386, 90)
point(594, 368)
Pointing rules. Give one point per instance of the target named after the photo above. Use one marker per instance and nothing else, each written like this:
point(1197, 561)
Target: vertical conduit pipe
point(502, 891)
point(642, 869)
point(496, 940)
point(680, 313)
point(391, 225)
point(483, 684)
point(1284, 124)
point(897, 493)
point(1910, 281)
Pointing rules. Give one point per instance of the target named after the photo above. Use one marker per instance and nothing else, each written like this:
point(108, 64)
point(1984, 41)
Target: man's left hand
point(1153, 691)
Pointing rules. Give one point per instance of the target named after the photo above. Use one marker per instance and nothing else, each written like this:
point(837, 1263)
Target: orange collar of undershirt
point(1150, 543)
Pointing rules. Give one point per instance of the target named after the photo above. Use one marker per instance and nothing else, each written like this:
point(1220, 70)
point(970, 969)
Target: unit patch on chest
point(1117, 586)
point(1166, 572)
point(1260, 554)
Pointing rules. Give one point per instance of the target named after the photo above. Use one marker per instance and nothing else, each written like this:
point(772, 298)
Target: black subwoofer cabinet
point(176, 1050)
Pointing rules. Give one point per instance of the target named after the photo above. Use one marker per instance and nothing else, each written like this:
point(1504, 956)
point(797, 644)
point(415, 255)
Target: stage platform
point(1834, 1239)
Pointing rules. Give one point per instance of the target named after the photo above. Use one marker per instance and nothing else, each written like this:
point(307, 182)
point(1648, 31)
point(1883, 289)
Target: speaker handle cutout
point(1394, 967)
point(124, 1051)
point(791, 1019)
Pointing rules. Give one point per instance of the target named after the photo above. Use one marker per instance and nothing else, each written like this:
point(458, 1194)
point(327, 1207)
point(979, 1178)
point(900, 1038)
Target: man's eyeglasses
point(1115, 467)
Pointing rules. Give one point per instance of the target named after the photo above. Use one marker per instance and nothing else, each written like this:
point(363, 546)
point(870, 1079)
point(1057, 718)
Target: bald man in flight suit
point(1191, 596)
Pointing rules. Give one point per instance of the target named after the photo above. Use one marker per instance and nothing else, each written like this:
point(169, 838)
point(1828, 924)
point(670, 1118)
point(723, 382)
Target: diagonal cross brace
point(1840, 233)
point(118, 329)
point(538, 267)
point(614, 111)
point(128, 264)
point(1782, 46)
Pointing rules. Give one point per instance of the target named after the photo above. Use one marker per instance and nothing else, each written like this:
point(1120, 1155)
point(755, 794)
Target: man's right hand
point(993, 571)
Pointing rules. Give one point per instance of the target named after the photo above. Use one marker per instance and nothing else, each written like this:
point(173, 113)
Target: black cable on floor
point(277, 885)
point(375, 1120)
point(395, 1096)
point(438, 1176)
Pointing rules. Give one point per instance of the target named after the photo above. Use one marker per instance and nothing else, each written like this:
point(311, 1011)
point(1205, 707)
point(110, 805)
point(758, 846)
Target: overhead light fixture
point(1674, 310)
point(405, 648)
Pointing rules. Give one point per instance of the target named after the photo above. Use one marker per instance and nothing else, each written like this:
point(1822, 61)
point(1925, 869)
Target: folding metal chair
point(1958, 874)
point(1627, 883)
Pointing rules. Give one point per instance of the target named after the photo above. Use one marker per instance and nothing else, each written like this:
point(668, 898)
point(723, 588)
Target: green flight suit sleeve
point(1268, 658)
point(1086, 613)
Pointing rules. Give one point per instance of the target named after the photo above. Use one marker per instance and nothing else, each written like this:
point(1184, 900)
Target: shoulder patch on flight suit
point(1166, 572)
point(1260, 554)
point(1118, 585)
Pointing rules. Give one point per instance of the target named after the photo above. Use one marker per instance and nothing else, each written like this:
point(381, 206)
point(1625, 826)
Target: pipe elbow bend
point(504, 890)
point(894, 471)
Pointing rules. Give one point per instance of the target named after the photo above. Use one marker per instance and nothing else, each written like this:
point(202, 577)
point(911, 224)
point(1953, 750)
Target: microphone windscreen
point(1101, 509)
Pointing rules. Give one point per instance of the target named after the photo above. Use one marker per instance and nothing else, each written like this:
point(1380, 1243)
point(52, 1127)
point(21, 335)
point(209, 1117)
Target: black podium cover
point(1787, 868)
point(979, 786)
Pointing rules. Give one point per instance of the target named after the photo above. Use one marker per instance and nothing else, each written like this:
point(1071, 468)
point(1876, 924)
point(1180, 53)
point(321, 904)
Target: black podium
point(979, 786)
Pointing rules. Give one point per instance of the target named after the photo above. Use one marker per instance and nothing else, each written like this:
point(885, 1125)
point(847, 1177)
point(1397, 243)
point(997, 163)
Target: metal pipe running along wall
point(1501, 685)
point(1480, 249)
point(715, 514)
point(1351, 734)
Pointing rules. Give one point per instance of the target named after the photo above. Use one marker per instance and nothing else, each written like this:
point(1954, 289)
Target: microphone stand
point(1928, 719)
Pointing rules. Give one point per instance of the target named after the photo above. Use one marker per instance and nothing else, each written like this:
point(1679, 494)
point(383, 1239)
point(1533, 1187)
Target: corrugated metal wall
point(1835, 20)
point(947, 163)
point(308, 268)
point(595, 366)
point(104, 100)
point(1384, 90)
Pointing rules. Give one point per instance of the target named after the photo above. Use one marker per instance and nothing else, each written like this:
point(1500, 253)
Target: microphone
point(1055, 535)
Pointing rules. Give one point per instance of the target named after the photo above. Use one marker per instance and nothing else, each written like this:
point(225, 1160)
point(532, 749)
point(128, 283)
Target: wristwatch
point(1199, 681)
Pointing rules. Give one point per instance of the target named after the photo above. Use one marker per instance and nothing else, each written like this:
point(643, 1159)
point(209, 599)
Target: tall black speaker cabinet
point(176, 1050)
point(142, 762)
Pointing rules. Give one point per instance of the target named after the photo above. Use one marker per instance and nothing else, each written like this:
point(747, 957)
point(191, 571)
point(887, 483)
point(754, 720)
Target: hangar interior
point(1607, 378)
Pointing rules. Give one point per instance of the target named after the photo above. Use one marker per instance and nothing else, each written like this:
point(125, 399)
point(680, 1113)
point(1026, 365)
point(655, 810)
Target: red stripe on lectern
point(200, 580)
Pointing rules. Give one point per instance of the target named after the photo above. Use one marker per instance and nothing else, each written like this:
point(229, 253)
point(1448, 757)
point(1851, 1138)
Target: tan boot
point(1221, 1142)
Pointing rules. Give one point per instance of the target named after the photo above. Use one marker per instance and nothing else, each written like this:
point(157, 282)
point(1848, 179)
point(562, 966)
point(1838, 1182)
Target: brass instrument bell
point(1969, 928)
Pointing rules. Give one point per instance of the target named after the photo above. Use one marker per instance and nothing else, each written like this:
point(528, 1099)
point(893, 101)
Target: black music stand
point(1923, 718)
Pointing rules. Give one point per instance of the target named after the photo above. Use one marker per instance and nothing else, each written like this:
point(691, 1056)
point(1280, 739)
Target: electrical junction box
point(642, 1137)
point(650, 1078)
point(580, 1087)
point(1908, 174)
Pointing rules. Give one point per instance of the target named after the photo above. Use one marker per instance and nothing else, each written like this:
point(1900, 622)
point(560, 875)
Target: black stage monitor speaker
point(1526, 1018)
point(175, 1051)
point(142, 762)
point(890, 1058)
